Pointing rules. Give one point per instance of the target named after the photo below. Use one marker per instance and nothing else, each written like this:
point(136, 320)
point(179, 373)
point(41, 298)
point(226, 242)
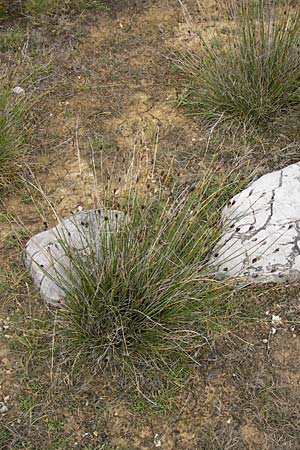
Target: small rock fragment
point(18, 90)
point(157, 441)
point(276, 320)
point(3, 408)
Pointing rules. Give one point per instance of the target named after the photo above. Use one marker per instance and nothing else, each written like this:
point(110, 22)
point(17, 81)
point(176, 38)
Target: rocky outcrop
point(261, 240)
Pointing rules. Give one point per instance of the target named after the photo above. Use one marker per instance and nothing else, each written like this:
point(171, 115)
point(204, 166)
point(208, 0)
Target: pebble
point(276, 319)
point(157, 441)
point(18, 90)
point(3, 408)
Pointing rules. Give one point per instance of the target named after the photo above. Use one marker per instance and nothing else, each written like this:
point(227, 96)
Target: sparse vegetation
point(99, 95)
point(11, 40)
point(254, 75)
point(11, 135)
point(37, 7)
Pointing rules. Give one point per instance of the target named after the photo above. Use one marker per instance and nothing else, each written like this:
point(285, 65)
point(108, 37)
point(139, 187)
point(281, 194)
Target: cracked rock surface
point(46, 254)
point(261, 239)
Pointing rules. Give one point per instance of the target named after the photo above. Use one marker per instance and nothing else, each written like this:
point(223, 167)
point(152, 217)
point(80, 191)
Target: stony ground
point(105, 91)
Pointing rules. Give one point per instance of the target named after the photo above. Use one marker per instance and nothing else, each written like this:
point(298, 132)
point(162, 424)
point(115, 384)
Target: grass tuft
point(146, 300)
point(254, 75)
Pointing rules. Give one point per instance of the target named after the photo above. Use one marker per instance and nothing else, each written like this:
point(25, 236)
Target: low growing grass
point(11, 40)
point(11, 135)
point(145, 301)
point(254, 75)
point(38, 7)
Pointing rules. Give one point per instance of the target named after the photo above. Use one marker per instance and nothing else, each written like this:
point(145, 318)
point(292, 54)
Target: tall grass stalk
point(255, 75)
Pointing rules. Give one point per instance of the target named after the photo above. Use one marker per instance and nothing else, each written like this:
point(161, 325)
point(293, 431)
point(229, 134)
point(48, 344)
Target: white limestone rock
point(45, 255)
point(261, 240)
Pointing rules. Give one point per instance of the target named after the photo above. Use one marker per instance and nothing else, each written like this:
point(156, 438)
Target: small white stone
point(273, 330)
point(157, 441)
point(276, 320)
point(265, 341)
point(18, 90)
point(3, 408)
